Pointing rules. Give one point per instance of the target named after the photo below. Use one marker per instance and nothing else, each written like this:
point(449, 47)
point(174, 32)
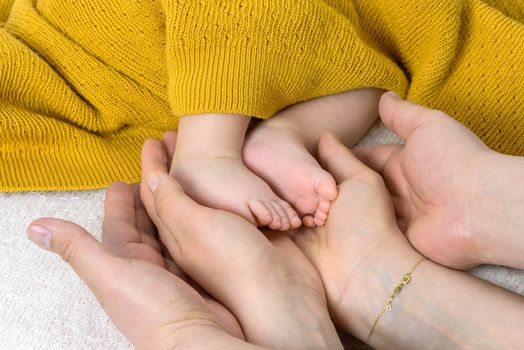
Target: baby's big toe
point(326, 187)
point(261, 212)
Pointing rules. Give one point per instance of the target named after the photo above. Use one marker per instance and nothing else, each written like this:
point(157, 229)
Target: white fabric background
point(43, 304)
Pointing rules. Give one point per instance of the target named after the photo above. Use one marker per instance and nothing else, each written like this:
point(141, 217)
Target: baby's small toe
point(324, 206)
point(282, 214)
point(320, 216)
point(291, 214)
point(275, 222)
point(308, 221)
point(319, 221)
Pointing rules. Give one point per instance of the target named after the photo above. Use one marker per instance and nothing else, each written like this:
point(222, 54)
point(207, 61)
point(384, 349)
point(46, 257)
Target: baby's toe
point(275, 222)
point(282, 214)
point(319, 221)
point(308, 221)
point(321, 214)
point(291, 214)
point(324, 206)
point(261, 212)
point(326, 187)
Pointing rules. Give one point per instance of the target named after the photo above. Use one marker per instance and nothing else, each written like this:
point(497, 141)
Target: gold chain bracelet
point(403, 281)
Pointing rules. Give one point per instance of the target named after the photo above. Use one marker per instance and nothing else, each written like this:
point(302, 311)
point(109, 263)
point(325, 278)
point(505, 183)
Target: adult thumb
point(341, 163)
point(401, 116)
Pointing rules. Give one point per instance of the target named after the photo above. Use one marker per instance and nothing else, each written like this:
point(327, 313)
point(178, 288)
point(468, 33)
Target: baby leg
point(282, 150)
point(208, 164)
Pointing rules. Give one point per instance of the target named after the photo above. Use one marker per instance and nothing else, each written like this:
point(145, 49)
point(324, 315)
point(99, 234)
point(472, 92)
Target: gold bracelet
point(403, 281)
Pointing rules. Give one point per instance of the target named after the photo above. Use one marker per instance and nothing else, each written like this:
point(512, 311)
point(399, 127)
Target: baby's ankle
point(279, 128)
point(203, 152)
point(210, 136)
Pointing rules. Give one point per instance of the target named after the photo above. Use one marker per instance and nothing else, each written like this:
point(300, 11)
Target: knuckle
point(161, 205)
point(374, 178)
point(161, 208)
point(67, 251)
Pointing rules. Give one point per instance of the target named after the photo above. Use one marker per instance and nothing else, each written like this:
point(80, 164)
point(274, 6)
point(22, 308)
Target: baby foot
point(276, 154)
point(222, 181)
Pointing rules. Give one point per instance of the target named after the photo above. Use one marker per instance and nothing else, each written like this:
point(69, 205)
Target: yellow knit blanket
point(83, 83)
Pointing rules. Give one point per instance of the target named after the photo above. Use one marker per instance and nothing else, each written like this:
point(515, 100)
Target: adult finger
point(169, 141)
point(125, 220)
point(154, 159)
point(146, 229)
point(401, 116)
point(376, 157)
point(91, 261)
point(119, 225)
point(118, 283)
point(154, 156)
point(170, 208)
point(339, 160)
point(204, 242)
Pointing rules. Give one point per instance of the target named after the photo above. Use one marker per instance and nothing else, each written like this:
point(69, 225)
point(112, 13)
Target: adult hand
point(265, 280)
point(361, 255)
point(360, 249)
point(143, 293)
point(458, 202)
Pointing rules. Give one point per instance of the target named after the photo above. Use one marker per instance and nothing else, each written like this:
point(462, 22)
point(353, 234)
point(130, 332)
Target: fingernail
point(41, 236)
point(393, 95)
point(152, 182)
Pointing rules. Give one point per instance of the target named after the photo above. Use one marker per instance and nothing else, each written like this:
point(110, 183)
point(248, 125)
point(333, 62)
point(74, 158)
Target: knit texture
point(85, 82)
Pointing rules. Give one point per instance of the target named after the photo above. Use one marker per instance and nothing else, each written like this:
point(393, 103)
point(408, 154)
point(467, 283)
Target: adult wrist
point(498, 210)
point(365, 289)
point(296, 322)
point(204, 337)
